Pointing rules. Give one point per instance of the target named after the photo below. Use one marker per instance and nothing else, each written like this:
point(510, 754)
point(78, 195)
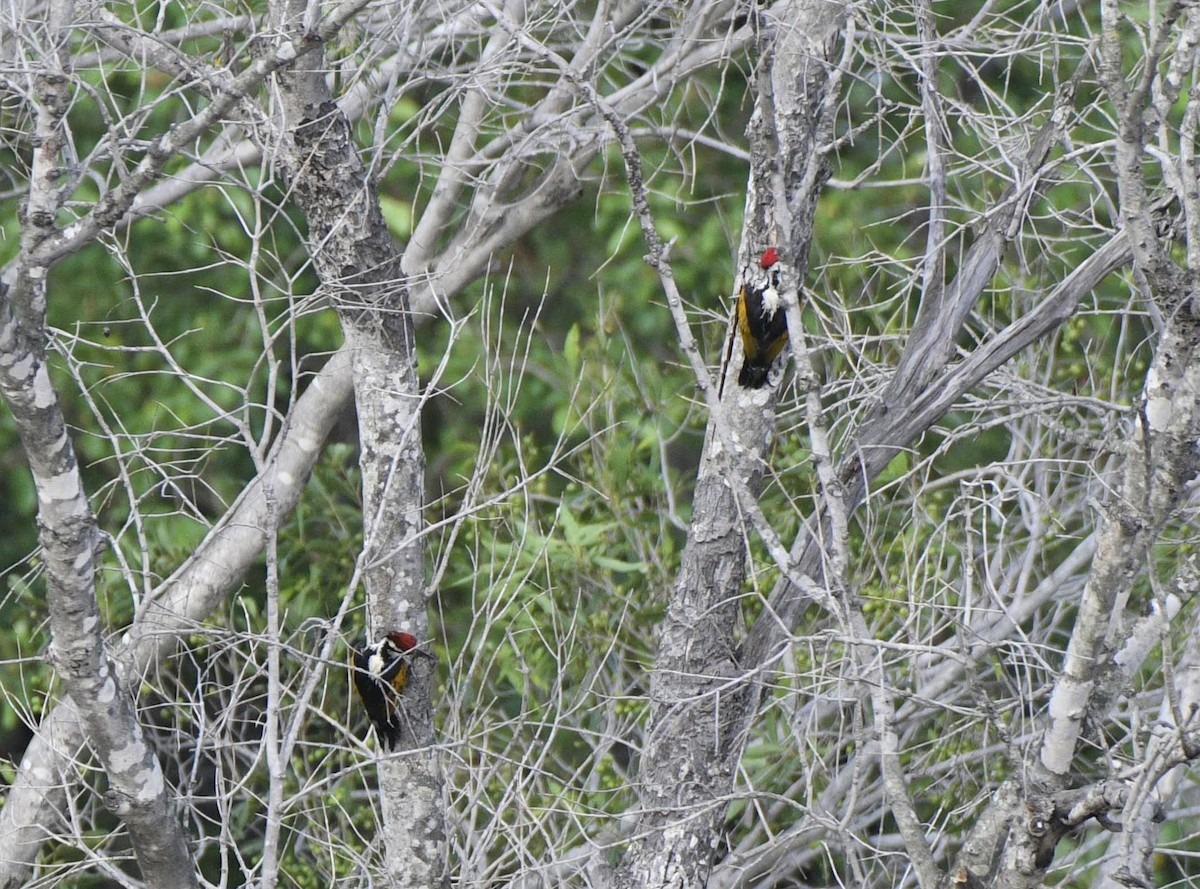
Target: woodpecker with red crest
point(381, 673)
point(761, 321)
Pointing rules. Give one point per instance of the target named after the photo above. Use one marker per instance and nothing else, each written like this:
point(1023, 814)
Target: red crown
point(769, 258)
point(403, 641)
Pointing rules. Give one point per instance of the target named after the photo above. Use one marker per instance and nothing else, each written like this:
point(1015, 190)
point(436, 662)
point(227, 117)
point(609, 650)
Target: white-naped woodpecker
point(381, 673)
point(761, 321)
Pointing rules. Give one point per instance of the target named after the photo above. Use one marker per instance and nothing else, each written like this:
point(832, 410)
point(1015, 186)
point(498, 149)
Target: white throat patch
point(771, 301)
point(376, 664)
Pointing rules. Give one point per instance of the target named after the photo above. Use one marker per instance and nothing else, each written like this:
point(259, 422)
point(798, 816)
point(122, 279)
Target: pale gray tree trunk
point(707, 688)
point(700, 689)
point(37, 797)
point(98, 690)
point(95, 679)
point(138, 792)
point(360, 270)
point(453, 251)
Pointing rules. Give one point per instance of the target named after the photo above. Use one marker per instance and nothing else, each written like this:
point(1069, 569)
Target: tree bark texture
point(138, 792)
point(699, 687)
point(498, 214)
point(38, 795)
point(1019, 832)
point(360, 269)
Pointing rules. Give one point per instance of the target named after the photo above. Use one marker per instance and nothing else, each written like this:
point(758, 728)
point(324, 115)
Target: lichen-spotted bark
point(359, 267)
point(701, 692)
point(695, 695)
point(69, 541)
point(1154, 478)
point(1153, 482)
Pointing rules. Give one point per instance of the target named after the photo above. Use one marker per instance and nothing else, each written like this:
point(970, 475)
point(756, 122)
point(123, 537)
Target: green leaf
point(571, 348)
point(620, 565)
point(397, 215)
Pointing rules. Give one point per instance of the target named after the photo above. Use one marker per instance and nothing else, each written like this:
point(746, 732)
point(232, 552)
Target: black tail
point(753, 376)
point(389, 734)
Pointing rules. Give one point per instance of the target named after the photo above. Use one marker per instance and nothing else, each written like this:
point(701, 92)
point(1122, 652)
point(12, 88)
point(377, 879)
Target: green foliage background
point(566, 357)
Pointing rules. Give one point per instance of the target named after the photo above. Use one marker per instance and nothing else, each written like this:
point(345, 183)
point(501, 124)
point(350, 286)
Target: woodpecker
point(381, 672)
point(761, 321)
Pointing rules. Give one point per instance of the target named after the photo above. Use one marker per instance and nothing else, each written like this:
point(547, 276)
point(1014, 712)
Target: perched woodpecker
point(381, 672)
point(761, 321)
